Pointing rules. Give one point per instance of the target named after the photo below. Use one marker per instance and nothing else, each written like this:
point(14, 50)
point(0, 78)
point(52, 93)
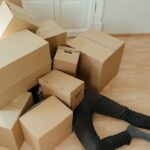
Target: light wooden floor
point(131, 87)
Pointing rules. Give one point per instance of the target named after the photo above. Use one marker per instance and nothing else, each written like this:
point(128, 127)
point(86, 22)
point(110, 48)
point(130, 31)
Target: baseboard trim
point(132, 34)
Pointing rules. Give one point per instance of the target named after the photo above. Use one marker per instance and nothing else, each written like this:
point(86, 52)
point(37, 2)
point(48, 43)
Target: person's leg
point(36, 93)
point(104, 105)
point(84, 129)
point(115, 141)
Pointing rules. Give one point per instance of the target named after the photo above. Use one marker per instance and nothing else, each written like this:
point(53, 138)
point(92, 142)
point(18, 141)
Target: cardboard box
point(66, 60)
point(47, 125)
point(68, 89)
point(100, 58)
point(10, 129)
point(24, 57)
point(49, 30)
point(15, 18)
point(16, 2)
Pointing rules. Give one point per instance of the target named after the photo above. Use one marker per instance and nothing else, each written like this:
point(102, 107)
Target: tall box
point(47, 125)
point(68, 89)
point(49, 30)
point(100, 57)
point(66, 60)
point(24, 57)
point(10, 129)
point(15, 18)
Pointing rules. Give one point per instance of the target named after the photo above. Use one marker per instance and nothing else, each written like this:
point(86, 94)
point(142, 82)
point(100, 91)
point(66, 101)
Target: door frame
point(98, 18)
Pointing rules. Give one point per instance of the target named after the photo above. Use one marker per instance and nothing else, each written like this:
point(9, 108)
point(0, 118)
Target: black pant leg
point(137, 119)
point(84, 129)
point(115, 141)
point(104, 105)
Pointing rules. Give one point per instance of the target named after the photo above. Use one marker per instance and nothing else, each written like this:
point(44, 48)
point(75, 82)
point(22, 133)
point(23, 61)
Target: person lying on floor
point(96, 103)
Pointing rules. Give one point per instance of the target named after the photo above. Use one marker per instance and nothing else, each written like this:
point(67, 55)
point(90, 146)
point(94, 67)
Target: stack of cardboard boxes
point(42, 56)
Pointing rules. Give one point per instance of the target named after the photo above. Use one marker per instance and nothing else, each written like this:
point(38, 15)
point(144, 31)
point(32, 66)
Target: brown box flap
point(22, 14)
point(11, 112)
point(49, 29)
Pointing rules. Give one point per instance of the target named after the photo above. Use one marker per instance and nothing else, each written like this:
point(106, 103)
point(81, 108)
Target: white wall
point(120, 16)
point(41, 9)
point(126, 16)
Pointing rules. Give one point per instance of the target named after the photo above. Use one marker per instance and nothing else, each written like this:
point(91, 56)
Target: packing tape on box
point(84, 36)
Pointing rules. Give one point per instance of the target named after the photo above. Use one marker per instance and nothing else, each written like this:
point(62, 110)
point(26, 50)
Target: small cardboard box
point(47, 125)
point(49, 30)
point(100, 57)
point(66, 60)
point(68, 89)
point(24, 57)
point(15, 18)
point(10, 129)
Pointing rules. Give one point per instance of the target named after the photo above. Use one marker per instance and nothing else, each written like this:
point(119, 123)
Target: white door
point(74, 16)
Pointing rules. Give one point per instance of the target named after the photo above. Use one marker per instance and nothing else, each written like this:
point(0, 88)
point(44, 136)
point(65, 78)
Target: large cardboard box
point(66, 60)
point(10, 129)
point(47, 125)
point(100, 58)
point(15, 18)
point(68, 89)
point(24, 57)
point(53, 33)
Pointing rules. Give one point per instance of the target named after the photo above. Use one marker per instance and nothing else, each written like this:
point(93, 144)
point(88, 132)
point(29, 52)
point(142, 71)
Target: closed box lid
point(103, 39)
point(61, 82)
point(19, 45)
point(45, 117)
point(95, 44)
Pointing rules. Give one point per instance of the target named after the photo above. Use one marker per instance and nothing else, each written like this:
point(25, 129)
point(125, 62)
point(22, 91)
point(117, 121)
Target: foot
point(136, 133)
